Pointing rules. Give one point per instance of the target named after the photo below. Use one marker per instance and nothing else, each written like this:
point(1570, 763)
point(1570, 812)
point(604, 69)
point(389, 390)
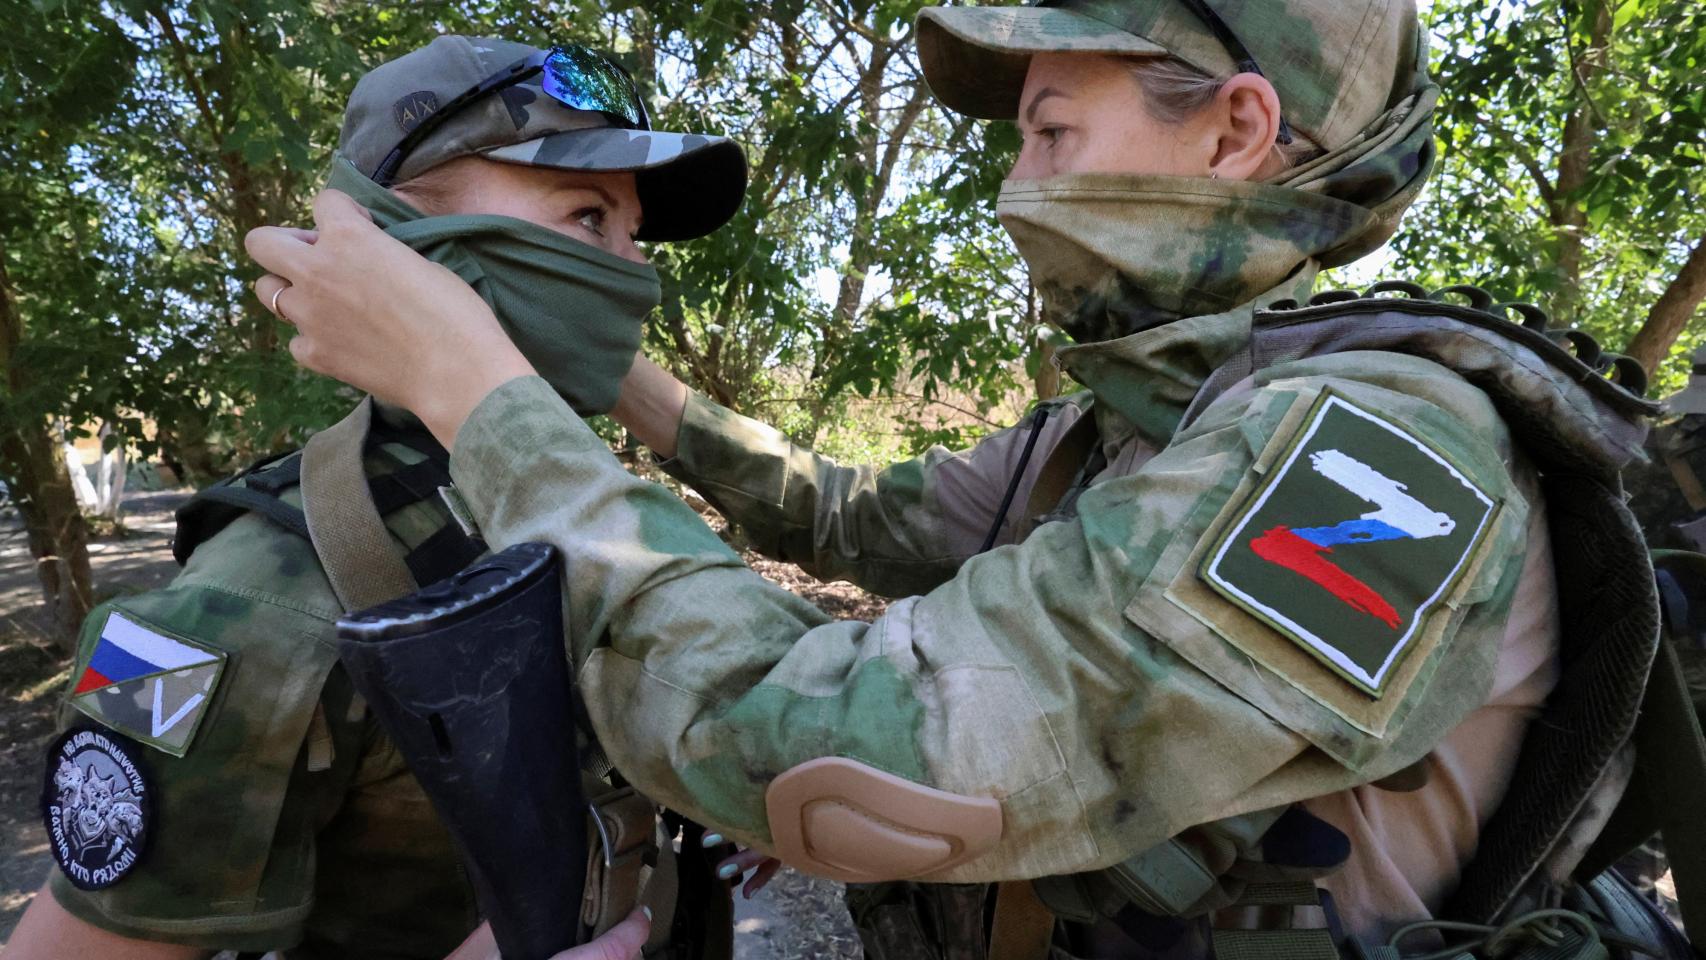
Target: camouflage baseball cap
point(1336, 64)
point(689, 184)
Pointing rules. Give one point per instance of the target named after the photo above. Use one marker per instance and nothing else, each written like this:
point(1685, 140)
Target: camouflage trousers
point(951, 921)
point(921, 921)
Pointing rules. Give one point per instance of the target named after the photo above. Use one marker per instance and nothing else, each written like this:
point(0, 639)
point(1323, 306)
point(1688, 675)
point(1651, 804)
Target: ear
point(1247, 110)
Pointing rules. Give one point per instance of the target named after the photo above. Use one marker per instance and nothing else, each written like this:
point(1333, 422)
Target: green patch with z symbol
point(1360, 531)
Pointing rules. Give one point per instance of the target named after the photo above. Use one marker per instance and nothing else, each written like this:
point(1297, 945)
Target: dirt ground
point(32, 675)
point(794, 917)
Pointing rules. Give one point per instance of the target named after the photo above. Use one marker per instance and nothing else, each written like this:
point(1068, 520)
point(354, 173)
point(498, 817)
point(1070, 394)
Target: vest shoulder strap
point(339, 466)
point(1579, 408)
point(345, 526)
point(255, 490)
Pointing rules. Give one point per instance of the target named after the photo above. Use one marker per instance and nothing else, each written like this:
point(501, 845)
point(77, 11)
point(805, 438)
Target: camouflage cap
point(1336, 64)
point(689, 184)
point(1691, 399)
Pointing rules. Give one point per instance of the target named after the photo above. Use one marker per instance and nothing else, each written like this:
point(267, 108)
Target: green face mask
point(574, 311)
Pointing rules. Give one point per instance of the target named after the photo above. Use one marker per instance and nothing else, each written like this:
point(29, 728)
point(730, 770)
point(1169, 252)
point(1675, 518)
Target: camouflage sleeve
point(1081, 678)
point(896, 531)
point(208, 687)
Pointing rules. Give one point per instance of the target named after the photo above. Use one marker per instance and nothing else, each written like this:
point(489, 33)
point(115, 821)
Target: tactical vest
point(343, 516)
point(1532, 853)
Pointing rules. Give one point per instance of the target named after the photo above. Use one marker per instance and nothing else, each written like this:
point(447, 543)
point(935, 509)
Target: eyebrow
point(610, 200)
point(1043, 94)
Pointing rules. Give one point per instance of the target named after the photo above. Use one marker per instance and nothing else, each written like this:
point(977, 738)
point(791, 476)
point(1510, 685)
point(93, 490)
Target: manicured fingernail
point(711, 840)
point(728, 870)
point(647, 911)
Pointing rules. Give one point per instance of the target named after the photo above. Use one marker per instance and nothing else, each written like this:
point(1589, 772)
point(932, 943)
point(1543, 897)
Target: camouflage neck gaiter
point(574, 311)
point(1113, 254)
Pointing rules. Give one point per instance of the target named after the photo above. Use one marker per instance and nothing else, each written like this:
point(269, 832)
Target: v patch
point(147, 684)
point(1359, 532)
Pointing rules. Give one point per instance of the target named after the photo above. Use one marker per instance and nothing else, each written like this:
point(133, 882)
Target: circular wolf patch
point(96, 807)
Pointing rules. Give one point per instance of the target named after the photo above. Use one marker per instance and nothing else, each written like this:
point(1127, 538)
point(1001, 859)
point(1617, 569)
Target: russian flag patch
point(150, 685)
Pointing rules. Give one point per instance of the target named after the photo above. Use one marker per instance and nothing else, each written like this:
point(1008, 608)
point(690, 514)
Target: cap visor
point(975, 58)
point(689, 184)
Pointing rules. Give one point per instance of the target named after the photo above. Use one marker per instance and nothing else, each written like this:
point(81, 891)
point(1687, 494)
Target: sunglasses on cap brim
point(572, 75)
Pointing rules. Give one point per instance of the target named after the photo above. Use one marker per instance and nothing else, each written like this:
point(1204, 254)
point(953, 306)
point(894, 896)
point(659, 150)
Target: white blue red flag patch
point(1359, 532)
point(148, 684)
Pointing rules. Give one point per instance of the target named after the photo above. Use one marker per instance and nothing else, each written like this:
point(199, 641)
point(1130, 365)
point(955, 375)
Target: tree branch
point(181, 54)
point(1524, 156)
point(1672, 311)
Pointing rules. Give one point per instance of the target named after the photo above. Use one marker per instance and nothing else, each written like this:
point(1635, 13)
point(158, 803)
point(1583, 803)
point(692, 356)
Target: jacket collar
point(1144, 382)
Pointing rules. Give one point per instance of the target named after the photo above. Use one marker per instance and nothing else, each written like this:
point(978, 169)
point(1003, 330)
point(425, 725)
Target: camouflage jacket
point(286, 820)
point(1091, 678)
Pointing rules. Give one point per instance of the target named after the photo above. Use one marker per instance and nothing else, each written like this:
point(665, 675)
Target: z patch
point(97, 808)
point(1359, 532)
point(148, 685)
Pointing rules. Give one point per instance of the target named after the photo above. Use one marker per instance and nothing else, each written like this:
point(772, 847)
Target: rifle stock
point(470, 679)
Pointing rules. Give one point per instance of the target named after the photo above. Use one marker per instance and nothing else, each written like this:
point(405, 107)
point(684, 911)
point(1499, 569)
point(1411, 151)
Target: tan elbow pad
point(844, 820)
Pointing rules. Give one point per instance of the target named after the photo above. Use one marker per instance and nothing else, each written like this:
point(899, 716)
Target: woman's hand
point(621, 942)
point(731, 868)
point(380, 317)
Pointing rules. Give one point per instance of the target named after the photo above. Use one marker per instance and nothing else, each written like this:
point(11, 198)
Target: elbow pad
point(847, 821)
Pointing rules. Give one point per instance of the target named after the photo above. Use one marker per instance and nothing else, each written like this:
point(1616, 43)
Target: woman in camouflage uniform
point(270, 811)
point(1327, 580)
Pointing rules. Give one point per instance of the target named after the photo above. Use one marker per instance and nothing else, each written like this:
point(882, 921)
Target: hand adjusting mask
point(575, 311)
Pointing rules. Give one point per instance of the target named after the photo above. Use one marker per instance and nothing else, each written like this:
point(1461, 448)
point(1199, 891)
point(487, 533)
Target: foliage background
point(864, 300)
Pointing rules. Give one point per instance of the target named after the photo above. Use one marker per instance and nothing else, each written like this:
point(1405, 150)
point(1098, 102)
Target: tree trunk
point(58, 537)
point(1047, 380)
point(882, 160)
point(1671, 313)
point(88, 499)
point(110, 475)
point(33, 471)
point(1575, 162)
point(214, 76)
point(188, 448)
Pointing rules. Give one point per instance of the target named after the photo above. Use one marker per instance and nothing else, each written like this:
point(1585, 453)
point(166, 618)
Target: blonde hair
point(438, 191)
point(1174, 91)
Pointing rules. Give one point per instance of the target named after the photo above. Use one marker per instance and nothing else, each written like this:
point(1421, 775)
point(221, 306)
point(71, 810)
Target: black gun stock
point(469, 677)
